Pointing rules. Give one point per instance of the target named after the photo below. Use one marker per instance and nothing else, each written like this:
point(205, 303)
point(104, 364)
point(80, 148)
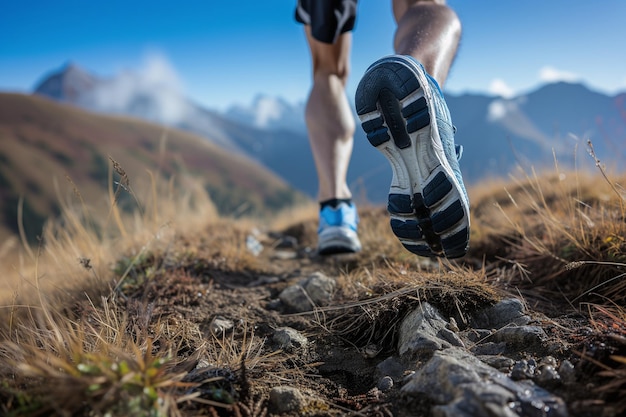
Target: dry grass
point(564, 232)
point(73, 344)
point(384, 296)
point(107, 316)
point(559, 239)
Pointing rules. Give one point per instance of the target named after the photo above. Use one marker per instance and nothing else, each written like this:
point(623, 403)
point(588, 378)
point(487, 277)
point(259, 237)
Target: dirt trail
point(235, 304)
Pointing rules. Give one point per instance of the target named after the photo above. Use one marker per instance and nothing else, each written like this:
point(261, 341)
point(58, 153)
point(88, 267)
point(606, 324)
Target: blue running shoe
point(337, 230)
point(405, 116)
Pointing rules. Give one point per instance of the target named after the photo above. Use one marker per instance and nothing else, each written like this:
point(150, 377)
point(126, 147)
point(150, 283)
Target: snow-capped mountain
point(267, 112)
point(150, 95)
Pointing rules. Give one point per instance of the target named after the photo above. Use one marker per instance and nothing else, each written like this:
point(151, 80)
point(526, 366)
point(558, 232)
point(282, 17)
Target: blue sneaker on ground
point(337, 230)
point(405, 116)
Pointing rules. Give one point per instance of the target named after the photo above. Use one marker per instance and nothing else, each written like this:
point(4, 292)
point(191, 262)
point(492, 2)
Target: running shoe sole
point(337, 239)
point(429, 210)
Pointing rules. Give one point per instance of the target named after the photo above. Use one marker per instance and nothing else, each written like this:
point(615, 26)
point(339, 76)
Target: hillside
point(214, 317)
point(48, 150)
point(498, 134)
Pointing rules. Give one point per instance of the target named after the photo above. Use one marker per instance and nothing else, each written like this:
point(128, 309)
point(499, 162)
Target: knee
point(437, 8)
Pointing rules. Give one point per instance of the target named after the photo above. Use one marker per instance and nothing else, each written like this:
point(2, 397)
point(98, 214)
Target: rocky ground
point(209, 316)
point(344, 335)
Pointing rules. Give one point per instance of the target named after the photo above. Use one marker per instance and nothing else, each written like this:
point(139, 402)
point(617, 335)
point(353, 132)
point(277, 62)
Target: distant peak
point(70, 67)
point(67, 83)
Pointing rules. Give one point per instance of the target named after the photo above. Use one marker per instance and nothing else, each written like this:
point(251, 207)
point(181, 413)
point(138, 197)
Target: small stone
point(547, 375)
point(523, 370)
point(285, 399)
point(501, 363)
point(420, 331)
point(548, 361)
point(450, 337)
point(220, 325)
point(506, 312)
point(295, 298)
point(391, 367)
point(287, 338)
point(320, 288)
point(371, 351)
point(315, 290)
point(520, 336)
point(452, 325)
point(385, 383)
point(477, 335)
point(567, 372)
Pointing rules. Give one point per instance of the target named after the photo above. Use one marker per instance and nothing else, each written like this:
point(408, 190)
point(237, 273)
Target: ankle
point(334, 202)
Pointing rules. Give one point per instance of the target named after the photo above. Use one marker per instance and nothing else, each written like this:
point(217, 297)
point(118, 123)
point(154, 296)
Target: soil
point(334, 371)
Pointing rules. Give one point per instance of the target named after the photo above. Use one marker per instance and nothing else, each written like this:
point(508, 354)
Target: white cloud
point(268, 110)
point(551, 74)
point(500, 109)
point(497, 110)
point(154, 91)
point(500, 88)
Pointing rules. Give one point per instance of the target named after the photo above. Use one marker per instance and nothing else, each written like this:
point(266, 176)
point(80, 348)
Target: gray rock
point(371, 351)
point(567, 372)
point(274, 304)
point(547, 376)
point(506, 312)
point(296, 298)
point(549, 361)
point(391, 367)
point(450, 337)
point(287, 338)
point(315, 290)
point(320, 288)
point(284, 399)
point(420, 332)
point(385, 383)
point(477, 335)
point(520, 336)
point(523, 369)
point(489, 348)
point(501, 363)
point(440, 377)
point(462, 386)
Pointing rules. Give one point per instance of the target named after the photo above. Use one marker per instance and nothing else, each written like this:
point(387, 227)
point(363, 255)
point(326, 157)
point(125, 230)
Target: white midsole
point(413, 167)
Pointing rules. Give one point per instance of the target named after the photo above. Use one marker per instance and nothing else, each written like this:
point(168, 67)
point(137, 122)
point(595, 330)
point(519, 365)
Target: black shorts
point(328, 18)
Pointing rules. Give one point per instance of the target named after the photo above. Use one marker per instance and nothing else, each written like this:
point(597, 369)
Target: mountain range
point(498, 134)
point(50, 151)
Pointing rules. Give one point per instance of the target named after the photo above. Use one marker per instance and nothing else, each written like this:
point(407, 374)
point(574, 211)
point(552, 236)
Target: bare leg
point(328, 116)
point(429, 31)
point(405, 117)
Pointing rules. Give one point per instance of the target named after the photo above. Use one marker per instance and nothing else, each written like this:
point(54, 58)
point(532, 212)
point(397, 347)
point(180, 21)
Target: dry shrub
point(559, 239)
point(384, 296)
point(565, 233)
point(64, 354)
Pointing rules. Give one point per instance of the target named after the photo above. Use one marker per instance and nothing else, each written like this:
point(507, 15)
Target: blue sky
point(225, 52)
